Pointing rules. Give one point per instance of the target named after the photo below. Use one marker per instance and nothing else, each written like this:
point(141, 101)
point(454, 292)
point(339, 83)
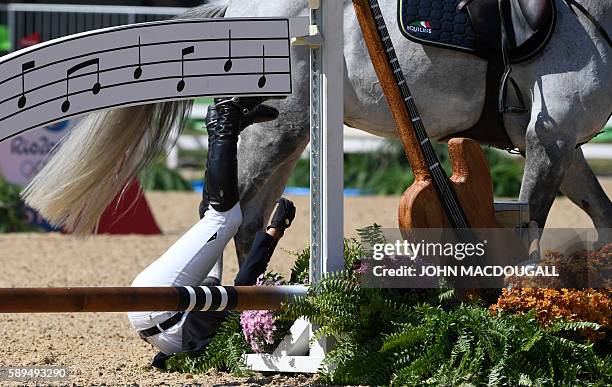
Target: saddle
point(485, 28)
point(504, 32)
point(519, 27)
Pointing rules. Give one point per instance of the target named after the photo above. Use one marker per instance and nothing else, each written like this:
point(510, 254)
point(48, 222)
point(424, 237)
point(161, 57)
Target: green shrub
point(301, 266)
point(386, 337)
point(419, 337)
point(505, 172)
point(12, 215)
point(388, 172)
point(157, 177)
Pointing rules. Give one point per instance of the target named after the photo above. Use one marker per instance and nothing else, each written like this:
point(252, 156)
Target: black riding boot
point(224, 122)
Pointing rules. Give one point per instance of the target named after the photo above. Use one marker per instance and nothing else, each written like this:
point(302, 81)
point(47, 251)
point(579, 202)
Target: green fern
point(395, 337)
point(300, 270)
point(223, 353)
point(353, 252)
point(418, 337)
point(12, 215)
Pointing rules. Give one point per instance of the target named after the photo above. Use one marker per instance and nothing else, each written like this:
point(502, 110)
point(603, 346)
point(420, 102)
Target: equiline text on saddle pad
point(438, 23)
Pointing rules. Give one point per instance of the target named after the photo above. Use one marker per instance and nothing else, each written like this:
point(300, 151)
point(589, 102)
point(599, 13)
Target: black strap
point(505, 47)
point(573, 3)
point(167, 324)
point(503, 94)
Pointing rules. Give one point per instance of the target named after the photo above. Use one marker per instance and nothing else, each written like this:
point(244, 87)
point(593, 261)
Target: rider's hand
point(283, 215)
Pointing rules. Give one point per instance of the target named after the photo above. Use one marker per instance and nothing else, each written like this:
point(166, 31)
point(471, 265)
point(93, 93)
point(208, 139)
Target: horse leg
point(260, 206)
point(570, 102)
point(582, 187)
point(549, 151)
point(267, 157)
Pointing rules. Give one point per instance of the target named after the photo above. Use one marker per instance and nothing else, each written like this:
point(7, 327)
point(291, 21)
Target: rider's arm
point(264, 244)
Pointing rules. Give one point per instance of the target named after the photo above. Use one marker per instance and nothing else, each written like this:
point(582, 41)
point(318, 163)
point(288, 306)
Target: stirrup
point(503, 93)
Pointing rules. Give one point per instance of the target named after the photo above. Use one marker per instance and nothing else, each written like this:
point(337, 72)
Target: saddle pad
point(437, 23)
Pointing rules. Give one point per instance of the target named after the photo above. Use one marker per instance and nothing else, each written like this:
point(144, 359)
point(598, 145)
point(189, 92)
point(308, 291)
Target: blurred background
point(373, 165)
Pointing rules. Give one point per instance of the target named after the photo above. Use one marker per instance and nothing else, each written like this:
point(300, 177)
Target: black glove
point(283, 215)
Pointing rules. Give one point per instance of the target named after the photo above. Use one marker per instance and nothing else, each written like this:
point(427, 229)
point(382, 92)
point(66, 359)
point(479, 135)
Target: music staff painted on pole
point(138, 72)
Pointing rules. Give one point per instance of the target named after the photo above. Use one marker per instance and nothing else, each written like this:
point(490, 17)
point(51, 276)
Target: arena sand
point(101, 349)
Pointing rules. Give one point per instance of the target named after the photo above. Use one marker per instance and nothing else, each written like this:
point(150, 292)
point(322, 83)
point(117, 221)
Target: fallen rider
point(195, 259)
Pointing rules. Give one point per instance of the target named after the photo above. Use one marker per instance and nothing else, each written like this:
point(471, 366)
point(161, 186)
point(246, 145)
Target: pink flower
point(259, 326)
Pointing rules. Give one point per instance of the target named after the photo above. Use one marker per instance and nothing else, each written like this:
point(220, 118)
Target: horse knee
point(548, 157)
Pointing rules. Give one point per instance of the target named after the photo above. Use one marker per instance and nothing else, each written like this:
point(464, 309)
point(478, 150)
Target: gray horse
point(568, 99)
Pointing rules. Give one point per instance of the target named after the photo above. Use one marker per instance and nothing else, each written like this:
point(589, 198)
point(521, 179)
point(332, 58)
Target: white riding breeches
point(187, 262)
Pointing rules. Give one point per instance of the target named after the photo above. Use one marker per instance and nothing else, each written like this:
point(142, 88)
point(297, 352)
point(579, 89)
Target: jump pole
point(135, 299)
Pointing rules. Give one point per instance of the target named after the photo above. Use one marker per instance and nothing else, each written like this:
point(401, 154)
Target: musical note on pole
point(25, 67)
point(96, 87)
point(262, 81)
point(228, 64)
point(186, 51)
point(138, 71)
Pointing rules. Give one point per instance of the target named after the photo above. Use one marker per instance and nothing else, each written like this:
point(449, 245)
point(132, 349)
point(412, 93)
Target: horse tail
point(103, 153)
point(97, 159)
point(212, 9)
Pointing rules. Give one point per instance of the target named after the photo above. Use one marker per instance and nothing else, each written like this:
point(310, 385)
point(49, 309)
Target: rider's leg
point(265, 243)
point(191, 258)
point(215, 275)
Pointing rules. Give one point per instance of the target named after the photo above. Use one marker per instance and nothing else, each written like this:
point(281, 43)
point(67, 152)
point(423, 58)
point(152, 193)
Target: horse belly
point(448, 86)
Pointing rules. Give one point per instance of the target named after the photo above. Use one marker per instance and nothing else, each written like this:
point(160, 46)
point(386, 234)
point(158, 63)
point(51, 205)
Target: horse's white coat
point(569, 101)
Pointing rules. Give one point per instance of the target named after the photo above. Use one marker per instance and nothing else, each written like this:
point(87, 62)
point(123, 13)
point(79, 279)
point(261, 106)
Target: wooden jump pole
point(136, 299)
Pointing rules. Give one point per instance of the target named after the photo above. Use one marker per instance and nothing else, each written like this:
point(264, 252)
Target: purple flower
point(259, 326)
point(360, 266)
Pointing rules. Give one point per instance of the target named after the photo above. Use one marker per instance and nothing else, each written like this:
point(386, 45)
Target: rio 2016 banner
point(22, 156)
